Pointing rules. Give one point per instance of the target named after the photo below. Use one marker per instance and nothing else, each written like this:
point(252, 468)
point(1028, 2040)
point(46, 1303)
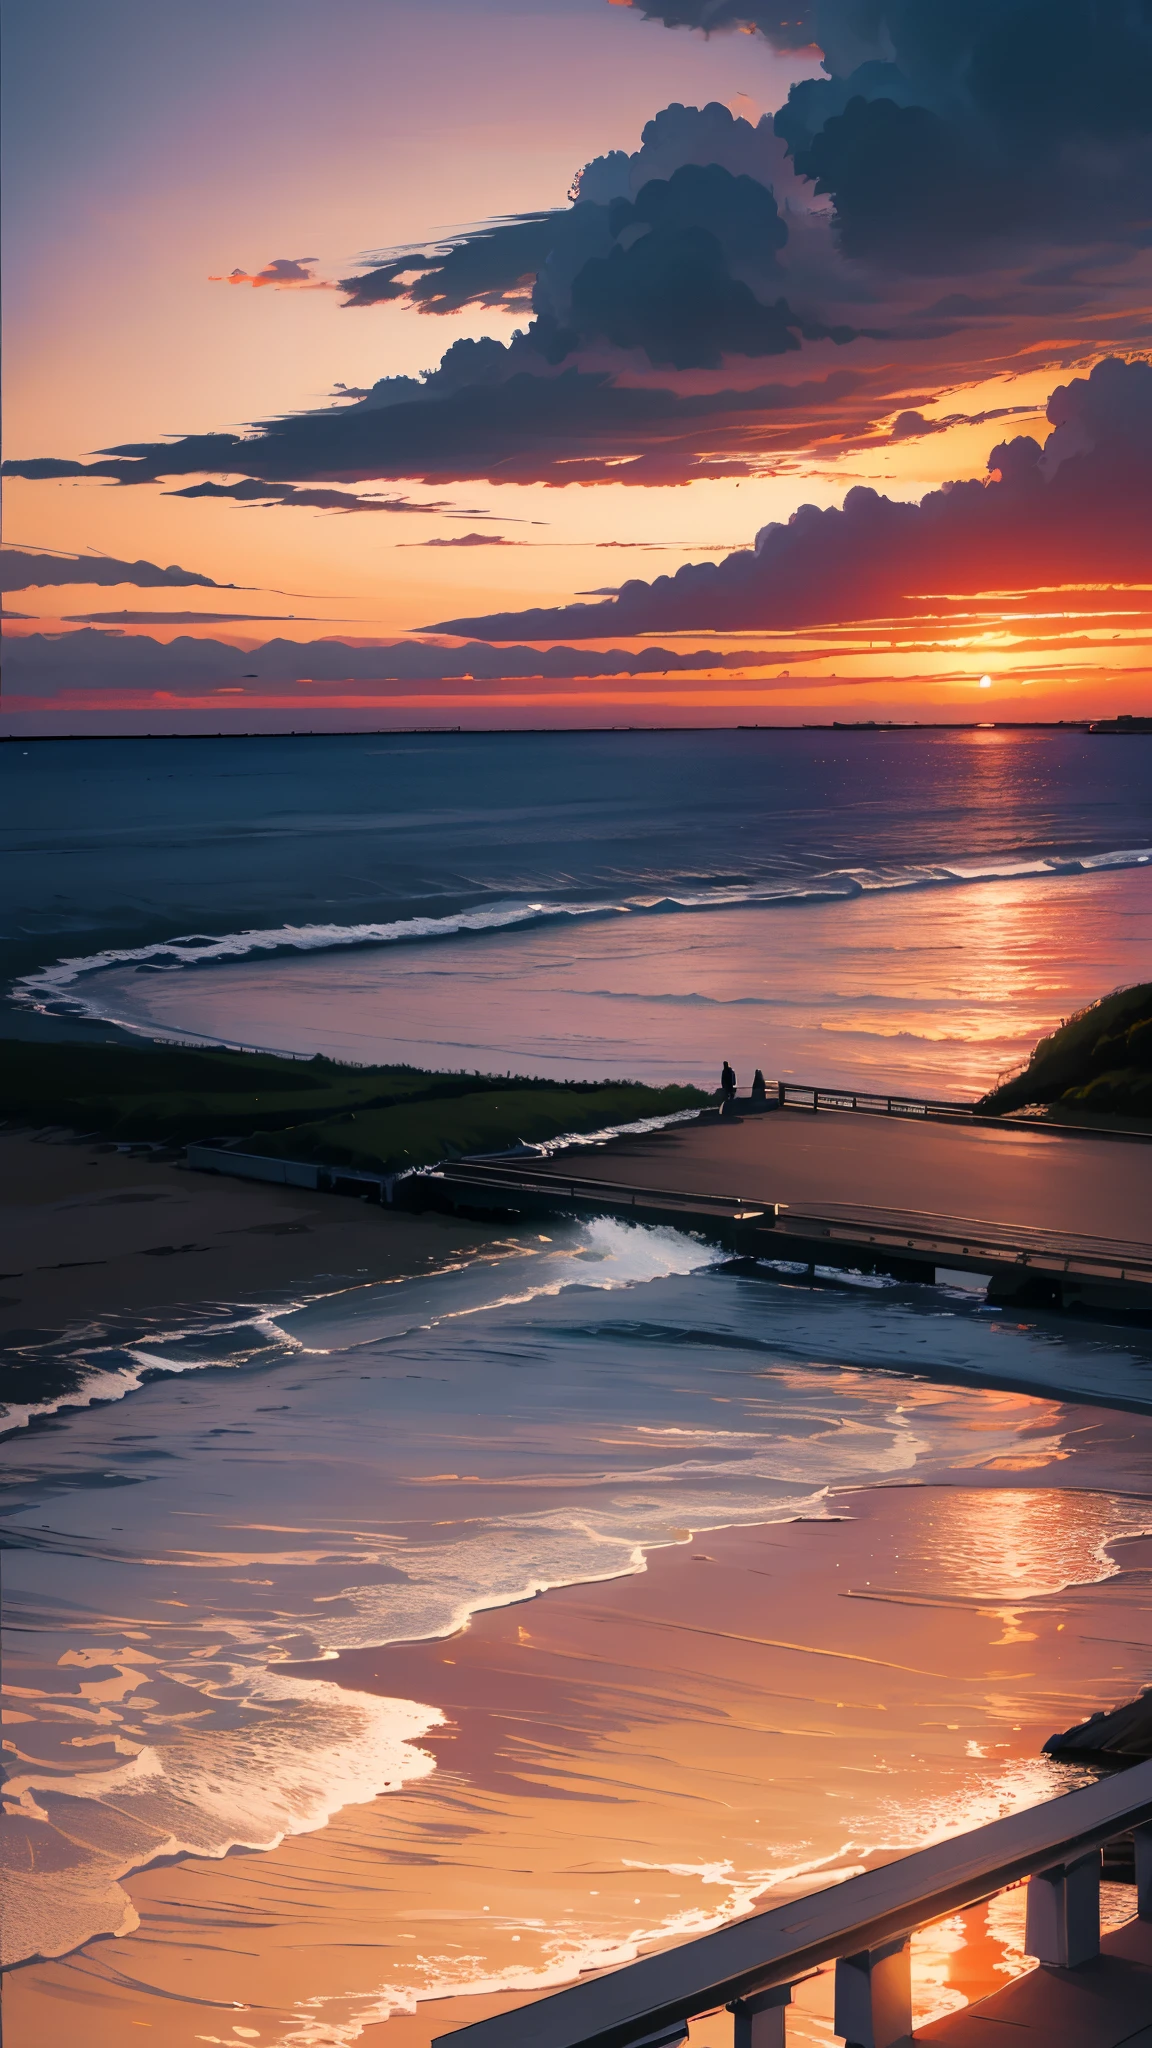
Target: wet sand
point(1043, 1178)
point(89, 1233)
point(760, 1712)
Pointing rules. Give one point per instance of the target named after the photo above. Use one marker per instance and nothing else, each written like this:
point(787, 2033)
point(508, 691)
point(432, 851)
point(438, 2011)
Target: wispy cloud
point(26, 568)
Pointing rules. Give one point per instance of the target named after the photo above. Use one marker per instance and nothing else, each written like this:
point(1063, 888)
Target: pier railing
point(835, 1233)
point(871, 1102)
point(863, 1927)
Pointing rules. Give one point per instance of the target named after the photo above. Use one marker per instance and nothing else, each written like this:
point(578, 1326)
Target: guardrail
point(864, 1927)
point(806, 1095)
point(800, 1232)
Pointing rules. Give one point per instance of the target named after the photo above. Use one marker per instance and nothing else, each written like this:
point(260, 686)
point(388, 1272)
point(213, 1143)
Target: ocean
point(364, 1472)
point(913, 906)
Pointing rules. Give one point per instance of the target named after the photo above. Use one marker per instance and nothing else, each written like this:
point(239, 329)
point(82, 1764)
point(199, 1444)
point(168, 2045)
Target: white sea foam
point(304, 1750)
point(55, 986)
point(602, 1253)
point(102, 1381)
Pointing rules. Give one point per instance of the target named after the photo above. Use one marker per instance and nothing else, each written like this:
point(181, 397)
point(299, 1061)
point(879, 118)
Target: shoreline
point(103, 1241)
point(753, 1662)
point(158, 1251)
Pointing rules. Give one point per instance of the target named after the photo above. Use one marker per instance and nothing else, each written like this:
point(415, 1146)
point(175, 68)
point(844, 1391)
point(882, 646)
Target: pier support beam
point(760, 2021)
point(874, 1997)
point(1142, 1838)
point(1062, 1926)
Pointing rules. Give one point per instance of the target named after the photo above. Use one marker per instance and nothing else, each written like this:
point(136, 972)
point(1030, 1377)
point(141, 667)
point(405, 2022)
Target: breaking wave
point(55, 987)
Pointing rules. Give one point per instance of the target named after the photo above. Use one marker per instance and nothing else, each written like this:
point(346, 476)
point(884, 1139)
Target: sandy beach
point(706, 1724)
point(760, 1712)
point(94, 1237)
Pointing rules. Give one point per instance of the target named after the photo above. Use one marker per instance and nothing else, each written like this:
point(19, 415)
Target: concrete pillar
point(1062, 1925)
point(1143, 1840)
point(760, 2021)
point(874, 1997)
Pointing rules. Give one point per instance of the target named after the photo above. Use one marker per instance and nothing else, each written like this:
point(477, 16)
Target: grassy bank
point(1099, 1062)
point(380, 1118)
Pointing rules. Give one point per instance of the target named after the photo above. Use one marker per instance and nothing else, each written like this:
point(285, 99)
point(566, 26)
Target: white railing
point(864, 1927)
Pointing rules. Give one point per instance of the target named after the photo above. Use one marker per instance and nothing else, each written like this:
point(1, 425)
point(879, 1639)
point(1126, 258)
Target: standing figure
point(727, 1082)
point(759, 1089)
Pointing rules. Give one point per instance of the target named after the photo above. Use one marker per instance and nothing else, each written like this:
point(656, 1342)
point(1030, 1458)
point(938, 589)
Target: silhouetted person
point(759, 1089)
point(727, 1082)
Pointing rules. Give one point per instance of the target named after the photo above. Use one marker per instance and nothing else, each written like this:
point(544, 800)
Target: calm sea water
point(909, 906)
point(377, 1466)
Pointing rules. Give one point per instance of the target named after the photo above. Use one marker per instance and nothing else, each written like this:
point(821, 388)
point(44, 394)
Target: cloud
point(530, 260)
point(468, 540)
point(492, 266)
point(912, 426)
point(942, 131)
point(284, 274)
point(671, 252)
point(686, 278)
point(1078, 511)
point(535, 425)
point(42, 665)
point(921, 207)
point(253, 492)
point(38, 568)
point(180, 618)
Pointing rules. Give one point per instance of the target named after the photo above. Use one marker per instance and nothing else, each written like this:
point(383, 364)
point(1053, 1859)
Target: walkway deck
point(1038, 1179)
point(1103, 2004)
point(1049, 1220)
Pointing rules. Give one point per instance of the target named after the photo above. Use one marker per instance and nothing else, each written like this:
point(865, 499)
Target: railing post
point(1142, 1838)
point(760, 2021)
point(874, 1997)
point(1062, 1924)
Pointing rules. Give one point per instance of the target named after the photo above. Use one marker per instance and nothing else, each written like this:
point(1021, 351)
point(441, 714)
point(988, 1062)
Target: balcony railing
point(862, 1926)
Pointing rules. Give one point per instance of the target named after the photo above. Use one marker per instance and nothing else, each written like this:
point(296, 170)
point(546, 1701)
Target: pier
point(1050, 1217)
point(1088, 1992)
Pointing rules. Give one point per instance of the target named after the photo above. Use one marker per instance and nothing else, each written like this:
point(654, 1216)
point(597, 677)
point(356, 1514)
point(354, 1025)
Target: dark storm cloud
point(944, 129)
point(539, 426)
point(970, 180)
point(489, 267)
point(686, 271)
point(28, 569)
point(687, 278)
point(530, 260)
point(1080, 509)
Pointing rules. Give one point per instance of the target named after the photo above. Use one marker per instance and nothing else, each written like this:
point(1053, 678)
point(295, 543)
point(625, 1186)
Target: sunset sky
point(412, 330)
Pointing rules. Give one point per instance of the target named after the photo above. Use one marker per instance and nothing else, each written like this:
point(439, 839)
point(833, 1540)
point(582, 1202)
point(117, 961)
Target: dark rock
point(1122, 1732)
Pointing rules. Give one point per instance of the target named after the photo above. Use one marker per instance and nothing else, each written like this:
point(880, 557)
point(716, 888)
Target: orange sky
point(127, 203)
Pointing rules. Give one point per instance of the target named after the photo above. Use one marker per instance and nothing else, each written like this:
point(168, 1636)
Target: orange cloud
point(285, 273)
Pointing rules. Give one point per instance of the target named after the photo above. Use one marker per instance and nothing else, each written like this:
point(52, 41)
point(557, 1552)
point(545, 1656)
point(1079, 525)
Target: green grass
point(416, 1133)
point(1100, 1060)
point(383, 1118)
